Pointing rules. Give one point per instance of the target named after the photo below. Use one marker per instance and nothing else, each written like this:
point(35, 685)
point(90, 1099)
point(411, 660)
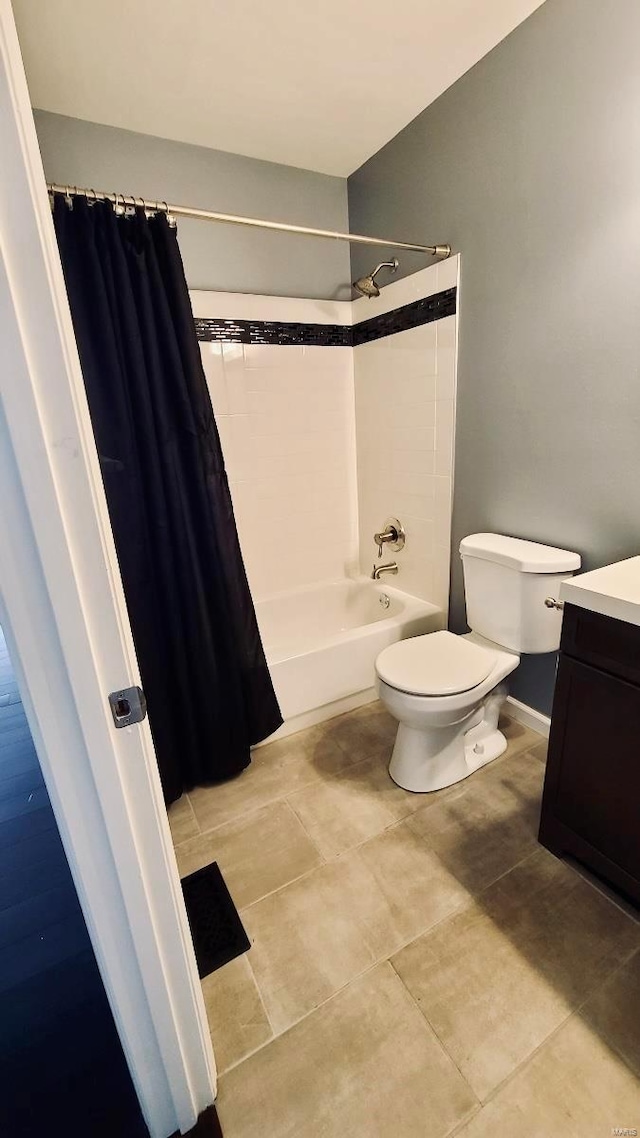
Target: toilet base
point(427, 759)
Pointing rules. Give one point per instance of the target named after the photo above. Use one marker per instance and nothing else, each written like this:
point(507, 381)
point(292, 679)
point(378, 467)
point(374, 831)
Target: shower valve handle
point(389, 534)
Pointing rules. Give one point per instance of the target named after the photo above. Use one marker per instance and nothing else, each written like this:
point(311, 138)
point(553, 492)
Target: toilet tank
point(506, 581)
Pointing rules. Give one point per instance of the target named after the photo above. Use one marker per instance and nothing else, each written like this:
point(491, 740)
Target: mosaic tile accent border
point(408, 316)
point(329, 335)
point(273, 332)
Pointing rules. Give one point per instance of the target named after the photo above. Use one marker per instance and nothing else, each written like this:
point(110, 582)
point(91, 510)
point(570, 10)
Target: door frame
point(68, 631)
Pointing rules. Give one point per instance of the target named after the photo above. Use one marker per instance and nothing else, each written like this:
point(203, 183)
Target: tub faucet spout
point(378, 570)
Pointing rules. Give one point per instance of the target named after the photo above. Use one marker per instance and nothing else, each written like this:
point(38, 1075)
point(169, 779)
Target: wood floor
point(62, 1070)
point(420, 966)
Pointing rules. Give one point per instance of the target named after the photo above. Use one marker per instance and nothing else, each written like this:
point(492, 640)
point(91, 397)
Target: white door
point(62, 605)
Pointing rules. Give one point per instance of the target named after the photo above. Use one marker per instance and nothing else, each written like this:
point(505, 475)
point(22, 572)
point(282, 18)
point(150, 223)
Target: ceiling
point(320, 84)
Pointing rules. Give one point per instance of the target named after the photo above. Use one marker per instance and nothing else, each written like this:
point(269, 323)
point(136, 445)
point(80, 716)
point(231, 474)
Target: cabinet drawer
point(612, 645)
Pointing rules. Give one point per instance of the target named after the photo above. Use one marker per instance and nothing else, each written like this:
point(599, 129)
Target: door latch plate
point(129, 705)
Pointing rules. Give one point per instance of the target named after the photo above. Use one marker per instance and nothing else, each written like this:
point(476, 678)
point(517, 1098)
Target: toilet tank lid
point(526, 556)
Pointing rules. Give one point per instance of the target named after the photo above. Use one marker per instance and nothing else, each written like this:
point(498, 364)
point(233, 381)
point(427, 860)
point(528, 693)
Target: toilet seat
point(437, 664)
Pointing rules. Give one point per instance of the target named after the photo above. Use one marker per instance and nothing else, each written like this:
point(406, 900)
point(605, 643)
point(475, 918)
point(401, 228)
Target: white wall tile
point(404, 397)
point(448, 273)
point(214, 372)
point(283, 356)
point(287, 426)
point(445, 424)
point(324, 444)
point(235, 378)
point(446, 353)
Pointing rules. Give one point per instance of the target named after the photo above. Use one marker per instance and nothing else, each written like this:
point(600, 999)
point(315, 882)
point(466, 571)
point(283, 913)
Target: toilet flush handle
point(552, 603)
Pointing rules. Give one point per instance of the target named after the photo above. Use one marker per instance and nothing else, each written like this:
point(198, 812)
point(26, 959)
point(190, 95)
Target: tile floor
point(420, 966)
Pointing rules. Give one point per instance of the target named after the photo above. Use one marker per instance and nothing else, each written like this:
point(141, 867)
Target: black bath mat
point(216, 928)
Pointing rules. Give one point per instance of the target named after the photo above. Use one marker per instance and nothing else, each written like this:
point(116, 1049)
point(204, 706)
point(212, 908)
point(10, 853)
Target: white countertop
point(613, 590)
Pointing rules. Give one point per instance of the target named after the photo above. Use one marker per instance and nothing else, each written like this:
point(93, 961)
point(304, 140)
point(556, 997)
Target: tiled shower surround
point(405, 388)
point(316, 432)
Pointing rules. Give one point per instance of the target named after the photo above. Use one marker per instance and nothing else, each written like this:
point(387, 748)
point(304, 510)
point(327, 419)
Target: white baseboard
point(528, 716)
point(319, 714)
point(521, 712)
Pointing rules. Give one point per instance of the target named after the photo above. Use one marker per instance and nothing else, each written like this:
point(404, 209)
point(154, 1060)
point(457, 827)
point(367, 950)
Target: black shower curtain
point(203, 667)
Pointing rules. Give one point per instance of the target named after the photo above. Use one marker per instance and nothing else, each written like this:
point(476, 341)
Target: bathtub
point(321, 642)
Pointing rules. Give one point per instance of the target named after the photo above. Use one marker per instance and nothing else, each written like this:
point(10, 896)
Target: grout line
point(345, 748)
point(383, 959)
point(343, 987)
point(460, 1126)
point(193, 813)
point(261, 998)
point(602, 889)
point(308, 834)
point(462, 907)
point(574, 1012)
point(529, 1058)
point(358, 975)
point(329, 860)
point(284, 795)
point(571, 1014)
point(432, 1029)
point(473, 898)
point(247, 813)
point(618, 968)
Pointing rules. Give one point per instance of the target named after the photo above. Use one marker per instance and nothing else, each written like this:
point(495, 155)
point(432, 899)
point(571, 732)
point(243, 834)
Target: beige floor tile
point(309, 940)
point(314, 936)
point(275, 771)
point(607, 890)
point(341, 812)
point(367, 726)
point(316, 755)
point(613, 1012)
point(335, 744)
point(260, 852)
point(539, 751)
point(519, 738)
point(496, 979)
point(415, 890)
point(574, 1087)
point(488, 823)
point(362, 800)
point(182, 820)
point(236, 1014)
point(365, 1065)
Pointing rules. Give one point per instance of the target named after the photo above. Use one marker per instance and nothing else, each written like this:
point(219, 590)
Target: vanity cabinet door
point(591, 801)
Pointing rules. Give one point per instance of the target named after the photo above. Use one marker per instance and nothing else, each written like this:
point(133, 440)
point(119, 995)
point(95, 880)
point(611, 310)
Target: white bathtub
point(321, 643)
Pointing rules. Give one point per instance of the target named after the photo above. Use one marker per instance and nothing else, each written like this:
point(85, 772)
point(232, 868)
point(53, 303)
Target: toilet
point(446, 690)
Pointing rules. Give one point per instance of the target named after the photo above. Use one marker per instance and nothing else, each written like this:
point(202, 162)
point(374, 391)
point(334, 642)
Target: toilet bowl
point(446, 690)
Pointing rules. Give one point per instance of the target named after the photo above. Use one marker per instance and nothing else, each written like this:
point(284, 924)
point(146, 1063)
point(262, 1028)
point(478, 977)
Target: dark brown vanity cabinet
point(591, 799)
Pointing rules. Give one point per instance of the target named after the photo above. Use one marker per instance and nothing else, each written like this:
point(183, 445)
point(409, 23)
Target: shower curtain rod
point(129, 201)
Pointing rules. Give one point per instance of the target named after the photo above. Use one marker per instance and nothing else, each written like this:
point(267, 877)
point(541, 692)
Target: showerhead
point(367, 286)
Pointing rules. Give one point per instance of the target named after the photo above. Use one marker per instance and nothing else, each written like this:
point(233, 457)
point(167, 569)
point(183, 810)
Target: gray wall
point(530, 166)
point(215, 256)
